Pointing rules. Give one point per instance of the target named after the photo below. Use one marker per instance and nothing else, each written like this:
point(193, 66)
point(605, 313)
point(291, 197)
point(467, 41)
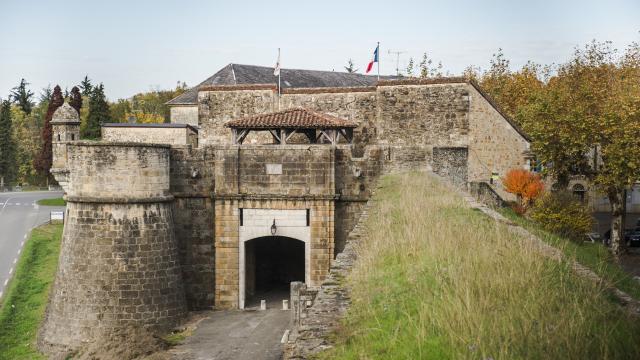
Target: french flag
point(374, 60)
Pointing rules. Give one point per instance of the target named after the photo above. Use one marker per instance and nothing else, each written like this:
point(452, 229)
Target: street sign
point(56, 215)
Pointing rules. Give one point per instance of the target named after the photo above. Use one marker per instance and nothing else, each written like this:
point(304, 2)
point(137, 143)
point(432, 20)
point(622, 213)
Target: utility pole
point(397, 54)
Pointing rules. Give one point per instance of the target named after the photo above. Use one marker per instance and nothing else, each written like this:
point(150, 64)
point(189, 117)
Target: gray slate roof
point(236, 74)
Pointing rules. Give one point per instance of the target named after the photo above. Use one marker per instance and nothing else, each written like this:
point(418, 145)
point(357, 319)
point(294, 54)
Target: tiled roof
point(236, 74)
point(296, 118)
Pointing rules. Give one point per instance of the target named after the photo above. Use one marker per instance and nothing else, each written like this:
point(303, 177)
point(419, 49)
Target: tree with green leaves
point(587, 121)
point(426, 68)
point(7, 146)
point(23, 96)
point(75, 99)
point(45, 157)
point(45, 94)
point(351, 68)
point(86, 86)
point(410, 67)
point(98, 113)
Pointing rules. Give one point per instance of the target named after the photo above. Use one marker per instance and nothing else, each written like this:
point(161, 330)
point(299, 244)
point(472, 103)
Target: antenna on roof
point(397, 54)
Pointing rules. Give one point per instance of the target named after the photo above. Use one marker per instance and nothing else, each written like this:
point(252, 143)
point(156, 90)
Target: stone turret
point(65, 126)
point(119, 275)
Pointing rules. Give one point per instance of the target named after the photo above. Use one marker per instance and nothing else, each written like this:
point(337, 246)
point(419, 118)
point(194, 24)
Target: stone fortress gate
point(260, 190)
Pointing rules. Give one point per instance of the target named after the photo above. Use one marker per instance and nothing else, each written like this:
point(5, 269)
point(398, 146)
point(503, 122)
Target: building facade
point(158, 224)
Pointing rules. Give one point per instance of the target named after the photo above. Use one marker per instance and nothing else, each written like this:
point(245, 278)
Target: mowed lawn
point(23, 306)
point(438, 280)
point(52, 202)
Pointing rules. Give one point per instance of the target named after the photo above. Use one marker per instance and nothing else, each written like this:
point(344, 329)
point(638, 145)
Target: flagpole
point(378, 60)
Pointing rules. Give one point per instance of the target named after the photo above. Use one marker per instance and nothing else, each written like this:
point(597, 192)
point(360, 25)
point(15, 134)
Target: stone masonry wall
point(150, 135)
point(119, 271)
point(495, 146)
point(227, 222)
point(421, 115)
point(355, 177)
point(357, 106)
point(451, 163)
point(191, 185)
point(292, 170)
point(217, 107)
point(266, 177)
point(184, 114)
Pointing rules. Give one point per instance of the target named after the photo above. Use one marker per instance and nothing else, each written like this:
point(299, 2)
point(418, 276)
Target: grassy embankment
point(438, 280)
point(52, 202)
point(594, 256)
point(25, 299)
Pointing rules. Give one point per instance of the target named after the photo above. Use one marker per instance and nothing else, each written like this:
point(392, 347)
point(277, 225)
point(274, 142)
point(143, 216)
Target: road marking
point(17, 204)
point(10, 271)
point(0, 294)
point(15, 261)
point(6, 282)
point(22, 244)
point(19, 251)
point(25, 236)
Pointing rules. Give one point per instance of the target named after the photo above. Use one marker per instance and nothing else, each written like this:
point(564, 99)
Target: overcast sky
point(136, 45)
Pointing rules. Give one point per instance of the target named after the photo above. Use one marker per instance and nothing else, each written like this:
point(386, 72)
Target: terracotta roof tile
point(297, 118)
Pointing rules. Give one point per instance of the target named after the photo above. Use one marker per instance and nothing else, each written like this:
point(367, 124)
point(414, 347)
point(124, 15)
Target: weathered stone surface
point(150, 134)
point(451, 163)
point(313, 324)
point(119, 268)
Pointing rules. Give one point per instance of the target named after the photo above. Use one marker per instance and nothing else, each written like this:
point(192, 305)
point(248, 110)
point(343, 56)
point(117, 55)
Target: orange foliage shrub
point(525, 184)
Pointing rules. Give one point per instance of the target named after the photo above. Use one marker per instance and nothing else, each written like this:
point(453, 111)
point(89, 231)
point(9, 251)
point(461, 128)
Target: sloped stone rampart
point(314, 323)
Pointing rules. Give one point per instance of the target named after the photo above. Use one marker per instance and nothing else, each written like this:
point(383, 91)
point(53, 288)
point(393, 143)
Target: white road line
point(0, 294)
point(25, 236)
point(15, 261)
point(22, 244)
point(6, 282)
point(10, 271)
point(17, 204)
point(19, 250)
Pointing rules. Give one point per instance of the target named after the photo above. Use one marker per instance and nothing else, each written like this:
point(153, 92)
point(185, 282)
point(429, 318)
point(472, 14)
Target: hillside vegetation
point(438, 280)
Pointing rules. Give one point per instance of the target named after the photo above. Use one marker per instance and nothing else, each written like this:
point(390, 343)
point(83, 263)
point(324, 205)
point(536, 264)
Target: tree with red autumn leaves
point(45, 158)
point(526, 185)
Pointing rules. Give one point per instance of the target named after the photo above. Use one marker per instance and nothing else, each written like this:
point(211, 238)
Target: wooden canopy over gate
point(282, 125)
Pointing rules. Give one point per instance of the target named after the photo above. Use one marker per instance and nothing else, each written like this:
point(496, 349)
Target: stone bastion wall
point(119, 270)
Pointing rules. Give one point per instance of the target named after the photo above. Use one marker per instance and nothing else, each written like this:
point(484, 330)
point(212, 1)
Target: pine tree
point(45, 158)
point(45, 94)
point(8, 164)
point(22, 96)
point(351, 67)
point(86, 86)
point(98, 113)
point(75, 99)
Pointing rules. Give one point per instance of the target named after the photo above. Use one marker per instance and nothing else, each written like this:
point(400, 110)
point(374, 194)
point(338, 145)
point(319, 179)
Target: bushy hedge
point(563, 214)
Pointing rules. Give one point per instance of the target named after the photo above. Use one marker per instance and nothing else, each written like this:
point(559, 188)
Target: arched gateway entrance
point(274, 250)
point(271, 264)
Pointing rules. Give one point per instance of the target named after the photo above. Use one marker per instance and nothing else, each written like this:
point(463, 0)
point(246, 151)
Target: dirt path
point(238, 335)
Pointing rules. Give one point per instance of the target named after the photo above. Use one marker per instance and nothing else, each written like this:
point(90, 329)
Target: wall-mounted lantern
point(274, 228)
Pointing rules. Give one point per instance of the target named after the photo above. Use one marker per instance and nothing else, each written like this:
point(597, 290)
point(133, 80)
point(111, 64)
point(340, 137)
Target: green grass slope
point(438, 280)
point(52, 202)
point(25, 300)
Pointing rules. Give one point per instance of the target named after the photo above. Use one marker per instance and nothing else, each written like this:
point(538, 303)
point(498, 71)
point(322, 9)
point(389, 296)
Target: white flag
point(276, 71)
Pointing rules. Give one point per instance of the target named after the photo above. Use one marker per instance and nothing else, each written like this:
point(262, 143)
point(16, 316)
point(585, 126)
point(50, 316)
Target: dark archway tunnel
point(271, 264)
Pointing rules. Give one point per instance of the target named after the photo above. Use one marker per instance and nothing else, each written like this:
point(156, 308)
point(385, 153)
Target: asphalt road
point(19, 213)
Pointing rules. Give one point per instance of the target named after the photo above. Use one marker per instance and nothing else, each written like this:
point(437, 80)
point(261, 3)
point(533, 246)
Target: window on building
point(58, 137)
point(579, 192)
point(73, 137)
